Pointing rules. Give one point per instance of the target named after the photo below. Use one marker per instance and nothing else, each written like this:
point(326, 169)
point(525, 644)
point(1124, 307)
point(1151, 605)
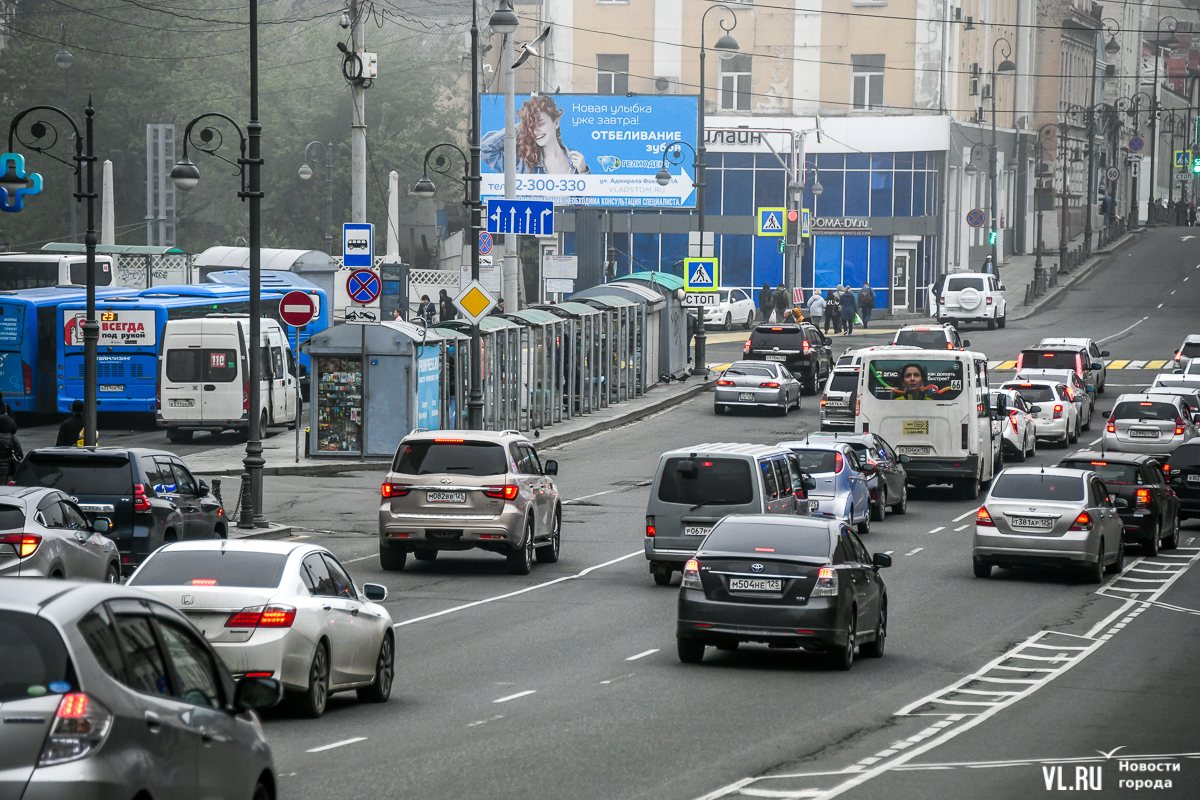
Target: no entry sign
point(297, 309)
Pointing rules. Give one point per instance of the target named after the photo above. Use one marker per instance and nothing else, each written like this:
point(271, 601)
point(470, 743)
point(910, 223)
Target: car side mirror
point(1097, 365)
point(881, 560)
point(257, 694)
point(375, 592)
point(550, 467)
point(1177, 372)
point(1119, 502)
point(203, 488)
point(101, 525)
point(966, 342)
point(905, 459)
point(303, 371)
point(809, 483)
point(1196, 417)
point(1001, 406)
point(1035, 409)
point(1104, 354)
point(1002, 288)
point(869, 469)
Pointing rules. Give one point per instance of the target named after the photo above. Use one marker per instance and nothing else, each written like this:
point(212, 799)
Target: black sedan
point(889, 484)
point(1151, 516)
point(798, 582)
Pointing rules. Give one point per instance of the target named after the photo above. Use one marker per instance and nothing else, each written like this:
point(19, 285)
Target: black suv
point(1152, 515)
point(1184, 466)
point(149, 495)
point(801, 348)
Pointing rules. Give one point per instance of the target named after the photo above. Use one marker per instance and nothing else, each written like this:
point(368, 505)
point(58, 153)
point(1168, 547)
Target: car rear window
point(1190, 349)
point(1185, 456)
point(1033, 393)
point(451, 456)
point(763, 540)
point(33, 660)
point(817, 461)
point(107, 476)
point(1189, 400)
point(1145, 409)
point(211, 568)
point(1025, 486)
point(1047, 359)
point(844, 382)
point(198, 365)
point(755, 372)
point(1109, 473)
point(706, 481)
point(958, 284)
point(929, 340)
point(12, 518)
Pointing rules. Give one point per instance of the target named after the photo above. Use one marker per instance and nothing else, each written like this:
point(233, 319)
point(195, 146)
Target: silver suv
point(461, 490)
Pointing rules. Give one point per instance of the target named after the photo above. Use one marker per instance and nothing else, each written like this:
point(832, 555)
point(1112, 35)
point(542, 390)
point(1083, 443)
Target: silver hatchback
point(108, 693)
point(1148, 423)
point(44, 534)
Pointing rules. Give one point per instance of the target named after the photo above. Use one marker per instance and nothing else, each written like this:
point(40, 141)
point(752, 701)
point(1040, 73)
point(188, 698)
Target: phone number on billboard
point(550, 184)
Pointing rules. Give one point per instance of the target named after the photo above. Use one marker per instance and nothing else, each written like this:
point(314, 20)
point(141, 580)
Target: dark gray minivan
point(695, 487)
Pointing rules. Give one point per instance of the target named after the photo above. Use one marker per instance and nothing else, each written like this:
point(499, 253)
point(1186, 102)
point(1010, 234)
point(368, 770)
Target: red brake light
point(724, 382)
point(1082, 523)
point(502, 492)
point(1178, 430)
point(989, 301)
point(764, 549)
point(246, 618)
point(395, 489)
point(204, 581)
point(807, 348)
point(768, 385)
point(650, 530)
point(140, 502)
point(1099, 463)
point(26, 544)
point(1058, 410)
point(838, 463)
point(949, 345)
point(1111, 428)
point(776, 329)
point(1143, 497)
point(1079, 365)
point(27, 377)
point(448, 441)
point(746, 347)
point(72, 706)
point(277, 617)
point(691, 566)
point(982, 517)
point(825, 573)
point(1020, 361)
point(822, 402)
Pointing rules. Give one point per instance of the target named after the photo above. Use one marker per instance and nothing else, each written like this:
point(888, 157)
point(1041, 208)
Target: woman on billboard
point(540, 149)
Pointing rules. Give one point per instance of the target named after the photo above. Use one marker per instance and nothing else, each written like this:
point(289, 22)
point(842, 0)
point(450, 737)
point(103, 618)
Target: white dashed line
point(587, 497)
point(1172, 291)
point(360, 558)
point(961, 517)
point(1160, 305)
point(914, 552)
point(515, 696)
point(1095, 441)
point(1190, 540)
point(888, 552)
point(642, 655)
point(961, 528)
point(479, 722)
point(342, 743)
point(938, 528)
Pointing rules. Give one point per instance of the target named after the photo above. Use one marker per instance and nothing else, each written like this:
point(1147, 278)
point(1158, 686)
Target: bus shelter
point(585, 377)
point(501, 340)
point(672, 326)
point(653, 362)
point(366, 412)
point(621, 327)
point(543, 366)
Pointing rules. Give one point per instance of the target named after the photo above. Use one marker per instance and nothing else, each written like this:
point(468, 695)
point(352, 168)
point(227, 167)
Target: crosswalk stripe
point(1118, 364)
point(1136, 365)
point(1155, 364)
point(994, 364)
point(1007, 365)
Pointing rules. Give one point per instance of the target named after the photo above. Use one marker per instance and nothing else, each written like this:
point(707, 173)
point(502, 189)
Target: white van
point(933, 406)
point(203, 376)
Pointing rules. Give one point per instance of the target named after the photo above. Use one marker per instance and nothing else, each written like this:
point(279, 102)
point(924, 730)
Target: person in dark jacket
point(866, 303)
point(447, 310)
point(849, 308)
point(765, 302)
point(781, 304)
point(70, 433)
point(426, 310)
point(10, 448)
point(831, 310)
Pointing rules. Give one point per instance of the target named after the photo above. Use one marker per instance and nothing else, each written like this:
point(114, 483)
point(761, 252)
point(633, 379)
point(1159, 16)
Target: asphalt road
point(565, 683)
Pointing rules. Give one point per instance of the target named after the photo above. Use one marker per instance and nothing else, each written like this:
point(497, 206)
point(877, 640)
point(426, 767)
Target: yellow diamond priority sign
point(474, 302)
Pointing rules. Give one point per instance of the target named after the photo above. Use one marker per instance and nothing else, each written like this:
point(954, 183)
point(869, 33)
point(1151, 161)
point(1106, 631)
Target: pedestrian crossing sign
point(1183, 158)
point(770, 221)
point(700, 275)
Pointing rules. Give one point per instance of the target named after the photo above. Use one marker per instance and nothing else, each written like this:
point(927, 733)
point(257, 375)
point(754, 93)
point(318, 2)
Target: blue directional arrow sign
point(521, 216)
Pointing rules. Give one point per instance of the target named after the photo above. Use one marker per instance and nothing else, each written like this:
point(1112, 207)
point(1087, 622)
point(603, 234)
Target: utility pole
point(358, 124)
point(511, 275)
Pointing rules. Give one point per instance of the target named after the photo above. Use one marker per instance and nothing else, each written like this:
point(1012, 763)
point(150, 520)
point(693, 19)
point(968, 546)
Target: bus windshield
point(915, 379)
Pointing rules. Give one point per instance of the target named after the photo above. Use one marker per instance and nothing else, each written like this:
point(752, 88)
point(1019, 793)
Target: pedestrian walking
point(691, 331)
point(765, 301)
point(446, 307)
point(10, 448)
point(70, 433)
point(781, 303)
point(849, 308)
point(426, 310)
point(866, 303)
point(816, 308)
point(988, 267)
point(831, 310)
point(1180, 213)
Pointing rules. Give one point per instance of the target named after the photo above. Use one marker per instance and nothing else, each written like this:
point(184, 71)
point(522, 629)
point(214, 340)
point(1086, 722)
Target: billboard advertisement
point(117, 328)
point(592, 150)
point(917, 379)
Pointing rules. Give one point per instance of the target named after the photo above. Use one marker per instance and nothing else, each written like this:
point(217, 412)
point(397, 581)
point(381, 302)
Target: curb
point(1064, 284)
point(270, 532)
point(544, 442)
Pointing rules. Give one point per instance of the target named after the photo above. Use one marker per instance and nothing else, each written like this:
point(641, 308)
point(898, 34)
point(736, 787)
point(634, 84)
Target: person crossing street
point(849, 308)
point(866, 303)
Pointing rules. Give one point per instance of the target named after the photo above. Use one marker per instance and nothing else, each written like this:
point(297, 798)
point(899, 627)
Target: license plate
point(177, 403)
point(745, 397)
point(1193, 478)
point(776, 358)
point(111, 387)
point(446, 497)
point(813, 505)
point(1035, 523)
point(915, 450)
point(755, 585)
point(695, 530)
point(834, 403)
point(1142, 434)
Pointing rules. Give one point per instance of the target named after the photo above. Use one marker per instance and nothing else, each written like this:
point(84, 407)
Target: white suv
point(971, 297)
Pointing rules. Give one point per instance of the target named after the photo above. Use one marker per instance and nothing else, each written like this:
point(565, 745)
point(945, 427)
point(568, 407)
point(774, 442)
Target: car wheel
point(875, 649)
point(843, 657)
point(1095, 574)
point(520, 560)
point(385, 672)
point(783, 407)
point(902, 506)
point(879, 510)
point(1118, 563)
point(1150, 548)
point(1003, 320)
point(982, 569)
point(691, 651)
point(261, 792)
point(1075, 437)
point(1100, 388)
point(969, 488)
point(425, 554)
point(749, 321)
point(1033, 445)
point(113, 573)
point(548, 553)
point(263, 422)
point(864, 527)
point(991, 324)
point(1172, 541)
point(1087, 426)
point(662, 578)
point(179, 437)
point(312, 701)
point(391, 559)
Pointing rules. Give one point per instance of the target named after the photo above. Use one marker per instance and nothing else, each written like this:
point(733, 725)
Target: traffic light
point(793, 226)
point(1196, 164)
point(992, 237)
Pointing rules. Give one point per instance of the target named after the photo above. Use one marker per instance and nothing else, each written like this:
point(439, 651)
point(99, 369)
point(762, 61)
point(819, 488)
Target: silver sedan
point(757, 384)
point(44, 534)
point(1036, 517)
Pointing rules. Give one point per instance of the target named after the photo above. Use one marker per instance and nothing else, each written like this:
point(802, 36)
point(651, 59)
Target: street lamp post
point(1005, 67)
point(1171, 26)
point(1046, 132)
point(306, 172)
point(1132, 106)
point(44, 137)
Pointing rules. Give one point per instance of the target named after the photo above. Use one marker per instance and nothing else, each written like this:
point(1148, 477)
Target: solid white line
point(727, 790)
point(342, 743)
point(914, 552)
point(360, 558)
point(1127, 330)
point(518, 591)
point(515, 696)
point(587, 496)
point(964, 516)
point(642, 655)
point(938, 528)
point(1094, 441)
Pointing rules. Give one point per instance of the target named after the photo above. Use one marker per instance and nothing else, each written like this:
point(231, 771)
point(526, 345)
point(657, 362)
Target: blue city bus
point(131, 328)
point(28, 328)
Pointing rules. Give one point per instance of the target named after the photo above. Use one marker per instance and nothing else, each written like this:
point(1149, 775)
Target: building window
point(612, 74)
point(735, 83)
point(867, 89)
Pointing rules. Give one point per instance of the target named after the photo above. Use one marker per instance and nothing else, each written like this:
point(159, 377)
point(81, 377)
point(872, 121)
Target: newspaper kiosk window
point(915, 379)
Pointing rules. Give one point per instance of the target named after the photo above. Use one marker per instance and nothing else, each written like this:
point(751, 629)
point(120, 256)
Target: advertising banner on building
point(592, 150)
point(428, 388)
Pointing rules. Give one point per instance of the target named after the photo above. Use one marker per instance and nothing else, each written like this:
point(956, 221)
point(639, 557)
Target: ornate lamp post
point(1172, 24)
point(1005, 67)
point(305, 172)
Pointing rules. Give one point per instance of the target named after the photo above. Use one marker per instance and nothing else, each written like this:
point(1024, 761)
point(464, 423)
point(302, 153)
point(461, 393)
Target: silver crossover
point(108, 693)
point(1038, 517)
point(756, 383)
point(1154, 424)
point(44, 534)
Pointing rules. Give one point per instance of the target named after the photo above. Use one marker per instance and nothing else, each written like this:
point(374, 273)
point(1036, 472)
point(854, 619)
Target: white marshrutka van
point(203, 376)
point(933, 406)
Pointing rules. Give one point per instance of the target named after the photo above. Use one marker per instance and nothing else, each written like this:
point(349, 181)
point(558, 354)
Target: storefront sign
point(841, 226)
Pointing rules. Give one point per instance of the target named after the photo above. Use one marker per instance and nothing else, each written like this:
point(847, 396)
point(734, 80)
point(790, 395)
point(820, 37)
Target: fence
point(144, 271)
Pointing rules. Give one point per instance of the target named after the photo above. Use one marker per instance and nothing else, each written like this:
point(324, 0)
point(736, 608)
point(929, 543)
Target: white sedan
point(735, 308)
point(284, 610)
point(1018, 425)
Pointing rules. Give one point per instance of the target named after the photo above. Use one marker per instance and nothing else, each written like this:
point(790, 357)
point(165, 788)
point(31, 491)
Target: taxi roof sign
point(700, 275)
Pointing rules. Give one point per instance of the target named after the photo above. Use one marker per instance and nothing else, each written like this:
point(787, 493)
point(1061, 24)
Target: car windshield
point(1048, 359)
point(1035, 486)
point(844, 382)
point(1186, 455)
point(455, 457)
point(1145, 409)
point(89, 475)
point(759, 540)
point(1108, 472)
point(751, 372)
point(1033, 392)
point(1190, 349)
point(815, 462)
point(958, 284)
point(724, 294)
point(12, 518)
point(928, 340)
point(211, 568)
point(706, 481)
point(33, 660)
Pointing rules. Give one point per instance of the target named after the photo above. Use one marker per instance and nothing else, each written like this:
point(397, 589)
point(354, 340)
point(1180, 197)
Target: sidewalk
point(280, 450)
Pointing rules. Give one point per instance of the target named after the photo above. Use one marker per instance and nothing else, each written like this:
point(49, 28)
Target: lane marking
point(1121, 333)
point(938, 528)
point(1172, 291)
point(888, 552)
point(1095, 441)
point(1190, 540)
point(961, 528)
point(1007, 365)
point(478, 722)
point(353, 560)
point(507, 595)
point(1160, 305)
point(643, 655)
point(525, 693)
point(618, 678)
point(914, 552)
point(588, 496)
point(961, 517)
point(1118, 364)
point(342, 743)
